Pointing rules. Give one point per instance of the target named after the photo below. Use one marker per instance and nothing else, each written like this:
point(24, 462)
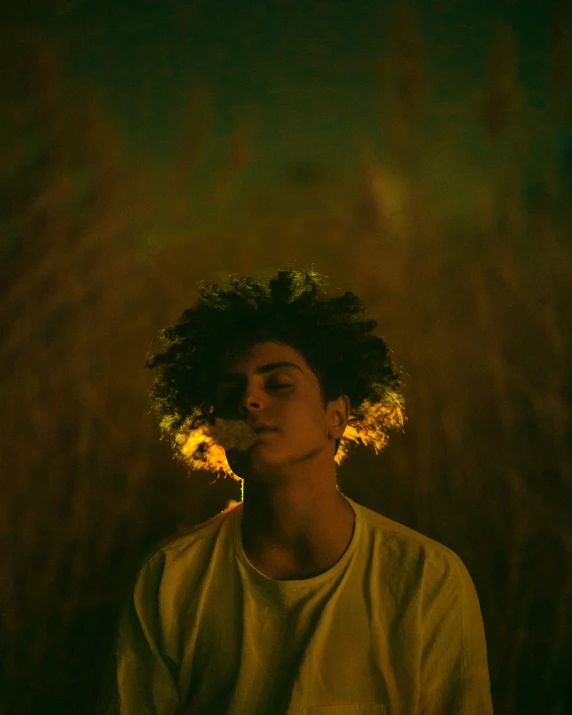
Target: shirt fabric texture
point(394, 627)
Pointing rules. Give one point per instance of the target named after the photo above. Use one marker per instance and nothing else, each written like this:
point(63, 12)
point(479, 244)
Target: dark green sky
point(307, 64)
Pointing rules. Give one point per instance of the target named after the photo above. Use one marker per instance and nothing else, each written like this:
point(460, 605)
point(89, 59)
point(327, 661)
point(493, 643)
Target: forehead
point(265, 354)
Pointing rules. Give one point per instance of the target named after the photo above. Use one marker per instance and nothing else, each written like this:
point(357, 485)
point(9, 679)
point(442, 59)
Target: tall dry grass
point(99, 254)
point(71, 206)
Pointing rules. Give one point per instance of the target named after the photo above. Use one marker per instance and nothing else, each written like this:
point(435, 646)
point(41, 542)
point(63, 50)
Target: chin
point(250, 465)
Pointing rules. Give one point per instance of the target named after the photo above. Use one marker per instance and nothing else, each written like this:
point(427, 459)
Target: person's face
point(261, 389)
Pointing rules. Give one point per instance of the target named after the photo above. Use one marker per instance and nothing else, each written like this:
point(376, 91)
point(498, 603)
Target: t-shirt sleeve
point(454, 667)
point(141, 680)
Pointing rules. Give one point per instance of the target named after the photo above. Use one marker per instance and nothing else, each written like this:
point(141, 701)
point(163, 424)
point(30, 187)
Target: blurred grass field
point(464, 258)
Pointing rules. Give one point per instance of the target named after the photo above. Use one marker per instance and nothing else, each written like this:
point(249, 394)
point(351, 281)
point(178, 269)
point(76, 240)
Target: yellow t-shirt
point(393, 628)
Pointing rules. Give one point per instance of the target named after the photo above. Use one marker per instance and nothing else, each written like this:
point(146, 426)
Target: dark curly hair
point(293, 309)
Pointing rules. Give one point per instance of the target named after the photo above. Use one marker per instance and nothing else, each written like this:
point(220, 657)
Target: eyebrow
point(260, 369)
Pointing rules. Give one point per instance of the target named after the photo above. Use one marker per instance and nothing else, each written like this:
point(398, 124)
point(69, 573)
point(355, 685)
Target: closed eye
point(228, 396)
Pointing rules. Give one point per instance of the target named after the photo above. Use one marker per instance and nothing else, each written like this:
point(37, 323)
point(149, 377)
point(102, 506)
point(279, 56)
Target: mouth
point(259, 439)
point(265, 430)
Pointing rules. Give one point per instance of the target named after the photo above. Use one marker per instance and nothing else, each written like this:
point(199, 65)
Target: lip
point(264, 428)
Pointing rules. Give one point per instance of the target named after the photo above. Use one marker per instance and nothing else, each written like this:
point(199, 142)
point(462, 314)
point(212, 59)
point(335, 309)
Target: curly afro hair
point(293, 309)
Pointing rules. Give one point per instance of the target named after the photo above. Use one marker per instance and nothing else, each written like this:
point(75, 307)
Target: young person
point(297, 599)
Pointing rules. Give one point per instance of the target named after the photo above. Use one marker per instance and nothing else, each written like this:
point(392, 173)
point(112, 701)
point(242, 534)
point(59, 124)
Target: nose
point(244, 399)
point(250, 400)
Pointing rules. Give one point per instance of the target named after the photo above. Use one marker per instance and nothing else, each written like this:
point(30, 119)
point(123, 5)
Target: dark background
point(417, 154)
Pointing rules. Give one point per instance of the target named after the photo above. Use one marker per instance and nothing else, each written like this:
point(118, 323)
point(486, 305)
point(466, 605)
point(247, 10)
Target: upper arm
point(454, 668)
point(140, 679)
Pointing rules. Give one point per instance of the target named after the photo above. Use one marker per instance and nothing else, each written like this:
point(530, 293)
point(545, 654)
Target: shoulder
point(413, 551)
point(177, 552)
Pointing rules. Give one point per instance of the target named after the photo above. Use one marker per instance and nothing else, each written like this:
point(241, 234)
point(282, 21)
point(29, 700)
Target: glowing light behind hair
point(204, 446)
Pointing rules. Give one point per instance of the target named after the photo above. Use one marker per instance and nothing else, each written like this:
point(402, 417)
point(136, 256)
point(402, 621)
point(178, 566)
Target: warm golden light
point(204, 447)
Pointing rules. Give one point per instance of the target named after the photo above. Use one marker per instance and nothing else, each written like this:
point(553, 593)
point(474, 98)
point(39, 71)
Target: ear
point(339, 415)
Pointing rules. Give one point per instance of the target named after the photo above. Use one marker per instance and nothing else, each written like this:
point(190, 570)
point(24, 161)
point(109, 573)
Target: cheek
point(307, 424)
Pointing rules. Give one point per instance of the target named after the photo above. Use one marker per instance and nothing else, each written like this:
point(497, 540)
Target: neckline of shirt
point(295, 583)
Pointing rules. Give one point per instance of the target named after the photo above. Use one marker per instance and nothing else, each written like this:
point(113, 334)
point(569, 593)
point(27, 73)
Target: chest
point(261, 655)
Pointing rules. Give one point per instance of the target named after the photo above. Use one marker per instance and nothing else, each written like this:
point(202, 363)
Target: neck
point(295, 530)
